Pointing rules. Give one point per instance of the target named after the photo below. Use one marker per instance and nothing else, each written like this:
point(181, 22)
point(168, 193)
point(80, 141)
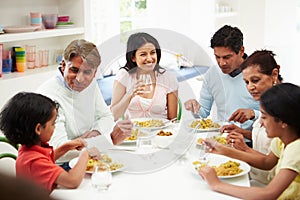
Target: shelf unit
point(16, 13)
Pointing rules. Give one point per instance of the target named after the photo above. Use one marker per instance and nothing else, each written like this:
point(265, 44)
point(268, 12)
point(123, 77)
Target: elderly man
point(83, 113)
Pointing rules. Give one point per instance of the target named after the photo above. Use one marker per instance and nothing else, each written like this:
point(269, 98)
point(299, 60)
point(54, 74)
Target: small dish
point(19, 29)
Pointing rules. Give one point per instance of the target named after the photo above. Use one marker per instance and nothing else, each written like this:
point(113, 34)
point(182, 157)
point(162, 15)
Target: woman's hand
point(241, 115)
point(229, 128)
point(192, 105)
point(237, 141)
point(138, 88)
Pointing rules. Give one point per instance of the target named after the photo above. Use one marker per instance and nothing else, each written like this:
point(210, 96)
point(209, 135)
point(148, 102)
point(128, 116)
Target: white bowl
point(164, 141)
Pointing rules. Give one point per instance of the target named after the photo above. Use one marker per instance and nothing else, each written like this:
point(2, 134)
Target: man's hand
point(192, 105)
point(241, 115)
point(121, 131)
point(89, 134)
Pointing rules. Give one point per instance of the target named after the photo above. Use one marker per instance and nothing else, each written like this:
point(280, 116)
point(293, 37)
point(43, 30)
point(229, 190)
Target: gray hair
point(87, 50)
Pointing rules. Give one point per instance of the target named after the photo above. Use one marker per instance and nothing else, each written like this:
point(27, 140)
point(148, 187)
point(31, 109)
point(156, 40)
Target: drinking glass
point(101, 177)
point(144, 141)
point(146, 79)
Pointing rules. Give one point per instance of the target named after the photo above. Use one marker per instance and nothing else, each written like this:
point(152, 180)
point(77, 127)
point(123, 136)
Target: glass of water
point(146, 79)
point(144, 141)
point(101, 177)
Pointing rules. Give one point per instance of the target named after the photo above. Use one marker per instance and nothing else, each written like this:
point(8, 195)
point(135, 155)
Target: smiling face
point(273, 126)
point(78, 74)
point(257, 82)
point(146, 57)
point(227, 59)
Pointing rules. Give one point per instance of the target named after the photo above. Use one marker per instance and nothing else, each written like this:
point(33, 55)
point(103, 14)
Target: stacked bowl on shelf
point(64, 22)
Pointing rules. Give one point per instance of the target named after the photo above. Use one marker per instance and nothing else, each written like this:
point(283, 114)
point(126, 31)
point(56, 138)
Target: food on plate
point(104, 159)
point(164, 133)
point(221, 139)
point(228, 168)
point(204, 124)
point(149, 123)
point(133, 135)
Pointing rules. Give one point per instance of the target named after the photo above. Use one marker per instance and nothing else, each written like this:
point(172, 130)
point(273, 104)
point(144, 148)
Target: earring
point(274, 83)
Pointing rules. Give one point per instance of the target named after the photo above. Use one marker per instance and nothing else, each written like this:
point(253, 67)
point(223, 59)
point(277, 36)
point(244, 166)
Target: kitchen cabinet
point(16, 13)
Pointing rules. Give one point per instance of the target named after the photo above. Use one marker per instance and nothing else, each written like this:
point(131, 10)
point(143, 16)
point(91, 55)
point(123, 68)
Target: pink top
point(165, 84)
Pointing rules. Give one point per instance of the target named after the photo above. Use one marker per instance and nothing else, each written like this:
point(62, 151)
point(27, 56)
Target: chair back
point(8, 156)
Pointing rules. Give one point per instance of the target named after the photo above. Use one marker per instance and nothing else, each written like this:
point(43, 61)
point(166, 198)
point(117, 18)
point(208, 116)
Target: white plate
point(187, 125)
point(216, 160)
point(73, 162)
point(19, 29)
point(65, 26)
point(165, 122)
point(210, 135)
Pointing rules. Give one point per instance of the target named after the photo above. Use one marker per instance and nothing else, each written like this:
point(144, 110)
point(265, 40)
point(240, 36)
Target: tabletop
point(164, 173)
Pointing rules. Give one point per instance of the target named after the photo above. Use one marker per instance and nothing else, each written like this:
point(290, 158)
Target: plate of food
point(151, 123)
point(224, 166)
point(218, 136)
point(115, 166)
point(132, 138)
point(202, 125)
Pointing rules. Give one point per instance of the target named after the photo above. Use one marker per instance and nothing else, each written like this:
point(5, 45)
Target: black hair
point(22, 113)
point(136, 41)
point(265, 60)
point(282, 102)
point(228, 36)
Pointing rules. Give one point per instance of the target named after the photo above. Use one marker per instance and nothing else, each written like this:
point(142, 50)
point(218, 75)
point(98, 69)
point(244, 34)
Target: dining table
point(162, 173)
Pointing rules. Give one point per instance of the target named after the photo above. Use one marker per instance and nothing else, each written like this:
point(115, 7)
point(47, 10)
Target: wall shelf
point(12, 37)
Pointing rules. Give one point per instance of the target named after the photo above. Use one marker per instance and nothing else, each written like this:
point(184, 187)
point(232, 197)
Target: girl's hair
point(136, 41)
point(22, 113)
point(282, 102)
point(265, 60)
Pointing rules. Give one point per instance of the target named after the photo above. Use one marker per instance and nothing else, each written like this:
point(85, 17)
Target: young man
point(224, 85)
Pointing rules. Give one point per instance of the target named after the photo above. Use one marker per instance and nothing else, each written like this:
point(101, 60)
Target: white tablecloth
point(175, 180)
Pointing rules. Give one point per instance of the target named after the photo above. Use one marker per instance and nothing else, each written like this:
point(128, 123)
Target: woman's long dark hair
point(282, 102)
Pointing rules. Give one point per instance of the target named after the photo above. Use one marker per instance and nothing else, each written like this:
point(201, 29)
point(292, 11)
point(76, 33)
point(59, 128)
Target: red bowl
point(63, 18)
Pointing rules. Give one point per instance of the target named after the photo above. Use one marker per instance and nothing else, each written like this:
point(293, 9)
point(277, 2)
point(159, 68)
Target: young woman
point(260, 72)
point(129, 91)
point(29, 119)
point(280, 116)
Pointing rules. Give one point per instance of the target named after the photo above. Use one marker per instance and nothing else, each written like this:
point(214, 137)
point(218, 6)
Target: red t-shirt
point(37, 164)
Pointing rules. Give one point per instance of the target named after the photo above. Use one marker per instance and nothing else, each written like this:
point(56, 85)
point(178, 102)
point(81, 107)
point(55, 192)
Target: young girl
point(143, 56)
point(280, 110)
point(29, 119)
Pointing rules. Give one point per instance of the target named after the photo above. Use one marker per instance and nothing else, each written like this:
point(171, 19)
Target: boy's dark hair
point(227, 36)
point(22, 113)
